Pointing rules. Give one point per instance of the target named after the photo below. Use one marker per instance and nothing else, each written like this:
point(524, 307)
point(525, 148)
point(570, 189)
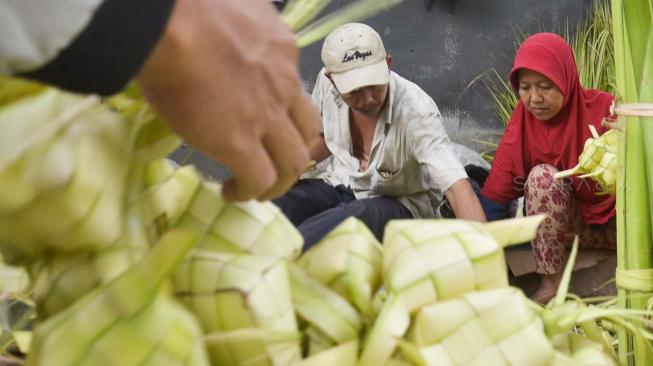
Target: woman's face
point(540, 95)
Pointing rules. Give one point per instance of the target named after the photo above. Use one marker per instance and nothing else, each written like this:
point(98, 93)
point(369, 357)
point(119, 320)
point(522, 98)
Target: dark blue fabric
point(494, 210)
point(110, 51)
point(309, 197)
point(316, 208)
point(477, 176)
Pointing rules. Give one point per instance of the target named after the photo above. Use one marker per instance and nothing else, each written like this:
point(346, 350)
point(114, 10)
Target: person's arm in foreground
point(225, 76)
point(464, 202)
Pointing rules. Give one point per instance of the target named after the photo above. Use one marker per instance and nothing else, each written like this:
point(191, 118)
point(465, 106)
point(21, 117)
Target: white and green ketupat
point(348, 260)
point(96, 274)
point(330, 319)
point(426, 261)
point(128, 321)
point(244, 305)
point(254, 300)
point(235, 280)
point(334, 284)
point(494, 327)
point(63, 170)
point(598, 160)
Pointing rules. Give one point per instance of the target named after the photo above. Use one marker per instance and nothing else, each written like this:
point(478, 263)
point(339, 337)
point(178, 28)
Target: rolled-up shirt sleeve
point(89, 46)
point(34, 32)
point(432, 147)
point(317, 96)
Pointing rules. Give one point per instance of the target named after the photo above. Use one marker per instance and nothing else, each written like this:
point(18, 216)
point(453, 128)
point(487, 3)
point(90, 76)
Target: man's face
point(368, 100)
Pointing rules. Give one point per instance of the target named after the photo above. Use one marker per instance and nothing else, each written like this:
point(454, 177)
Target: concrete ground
point(597, 280)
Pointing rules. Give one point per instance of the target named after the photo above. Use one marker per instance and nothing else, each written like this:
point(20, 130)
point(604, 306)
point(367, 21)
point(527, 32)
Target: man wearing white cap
point(384, 153)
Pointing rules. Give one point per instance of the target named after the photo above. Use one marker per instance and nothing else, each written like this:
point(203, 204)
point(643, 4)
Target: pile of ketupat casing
point(598, 160)
point(135, 261)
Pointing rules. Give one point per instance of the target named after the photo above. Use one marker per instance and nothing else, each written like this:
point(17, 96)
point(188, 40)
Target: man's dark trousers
point(316, 208)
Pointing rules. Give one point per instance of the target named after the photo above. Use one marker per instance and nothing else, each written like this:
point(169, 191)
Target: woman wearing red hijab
point(546, 134)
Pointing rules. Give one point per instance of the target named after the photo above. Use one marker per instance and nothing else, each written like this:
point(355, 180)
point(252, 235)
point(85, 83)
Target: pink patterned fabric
point(543, 194)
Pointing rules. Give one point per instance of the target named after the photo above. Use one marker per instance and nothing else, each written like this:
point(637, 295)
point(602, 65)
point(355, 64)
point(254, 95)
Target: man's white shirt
point(411, 155)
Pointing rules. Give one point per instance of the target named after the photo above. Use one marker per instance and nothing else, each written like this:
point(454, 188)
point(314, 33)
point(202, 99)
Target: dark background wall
point(443, 46)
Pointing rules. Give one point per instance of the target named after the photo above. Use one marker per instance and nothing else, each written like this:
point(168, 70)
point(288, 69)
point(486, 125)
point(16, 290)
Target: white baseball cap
point(355, 57)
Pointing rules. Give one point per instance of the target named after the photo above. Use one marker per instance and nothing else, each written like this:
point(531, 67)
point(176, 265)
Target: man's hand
point(464, 202)
point(224, 75)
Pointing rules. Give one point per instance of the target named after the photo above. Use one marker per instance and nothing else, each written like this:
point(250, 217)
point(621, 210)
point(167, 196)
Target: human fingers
point(289, 154)
point(253, 173)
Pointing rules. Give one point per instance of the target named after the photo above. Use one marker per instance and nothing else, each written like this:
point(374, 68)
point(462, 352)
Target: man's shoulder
point(321, 81)
point(407, 85)
point(411, 98)
point(323, 87)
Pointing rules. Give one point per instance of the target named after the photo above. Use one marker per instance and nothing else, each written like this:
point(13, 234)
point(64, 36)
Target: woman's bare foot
point(548, 287)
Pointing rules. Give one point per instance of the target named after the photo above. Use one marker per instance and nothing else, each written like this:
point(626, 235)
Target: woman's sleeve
point(88, 46)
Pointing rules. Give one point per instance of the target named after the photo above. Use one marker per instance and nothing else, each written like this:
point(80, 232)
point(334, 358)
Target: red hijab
point(528, 142)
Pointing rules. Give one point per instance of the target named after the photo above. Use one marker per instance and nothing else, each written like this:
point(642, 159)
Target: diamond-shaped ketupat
point(435, 260)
